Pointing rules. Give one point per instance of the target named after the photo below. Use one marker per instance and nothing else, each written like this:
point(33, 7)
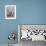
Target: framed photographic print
point(10, 11)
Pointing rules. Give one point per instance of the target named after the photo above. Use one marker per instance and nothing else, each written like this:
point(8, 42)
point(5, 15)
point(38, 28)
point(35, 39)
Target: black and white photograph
point(10, 11)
